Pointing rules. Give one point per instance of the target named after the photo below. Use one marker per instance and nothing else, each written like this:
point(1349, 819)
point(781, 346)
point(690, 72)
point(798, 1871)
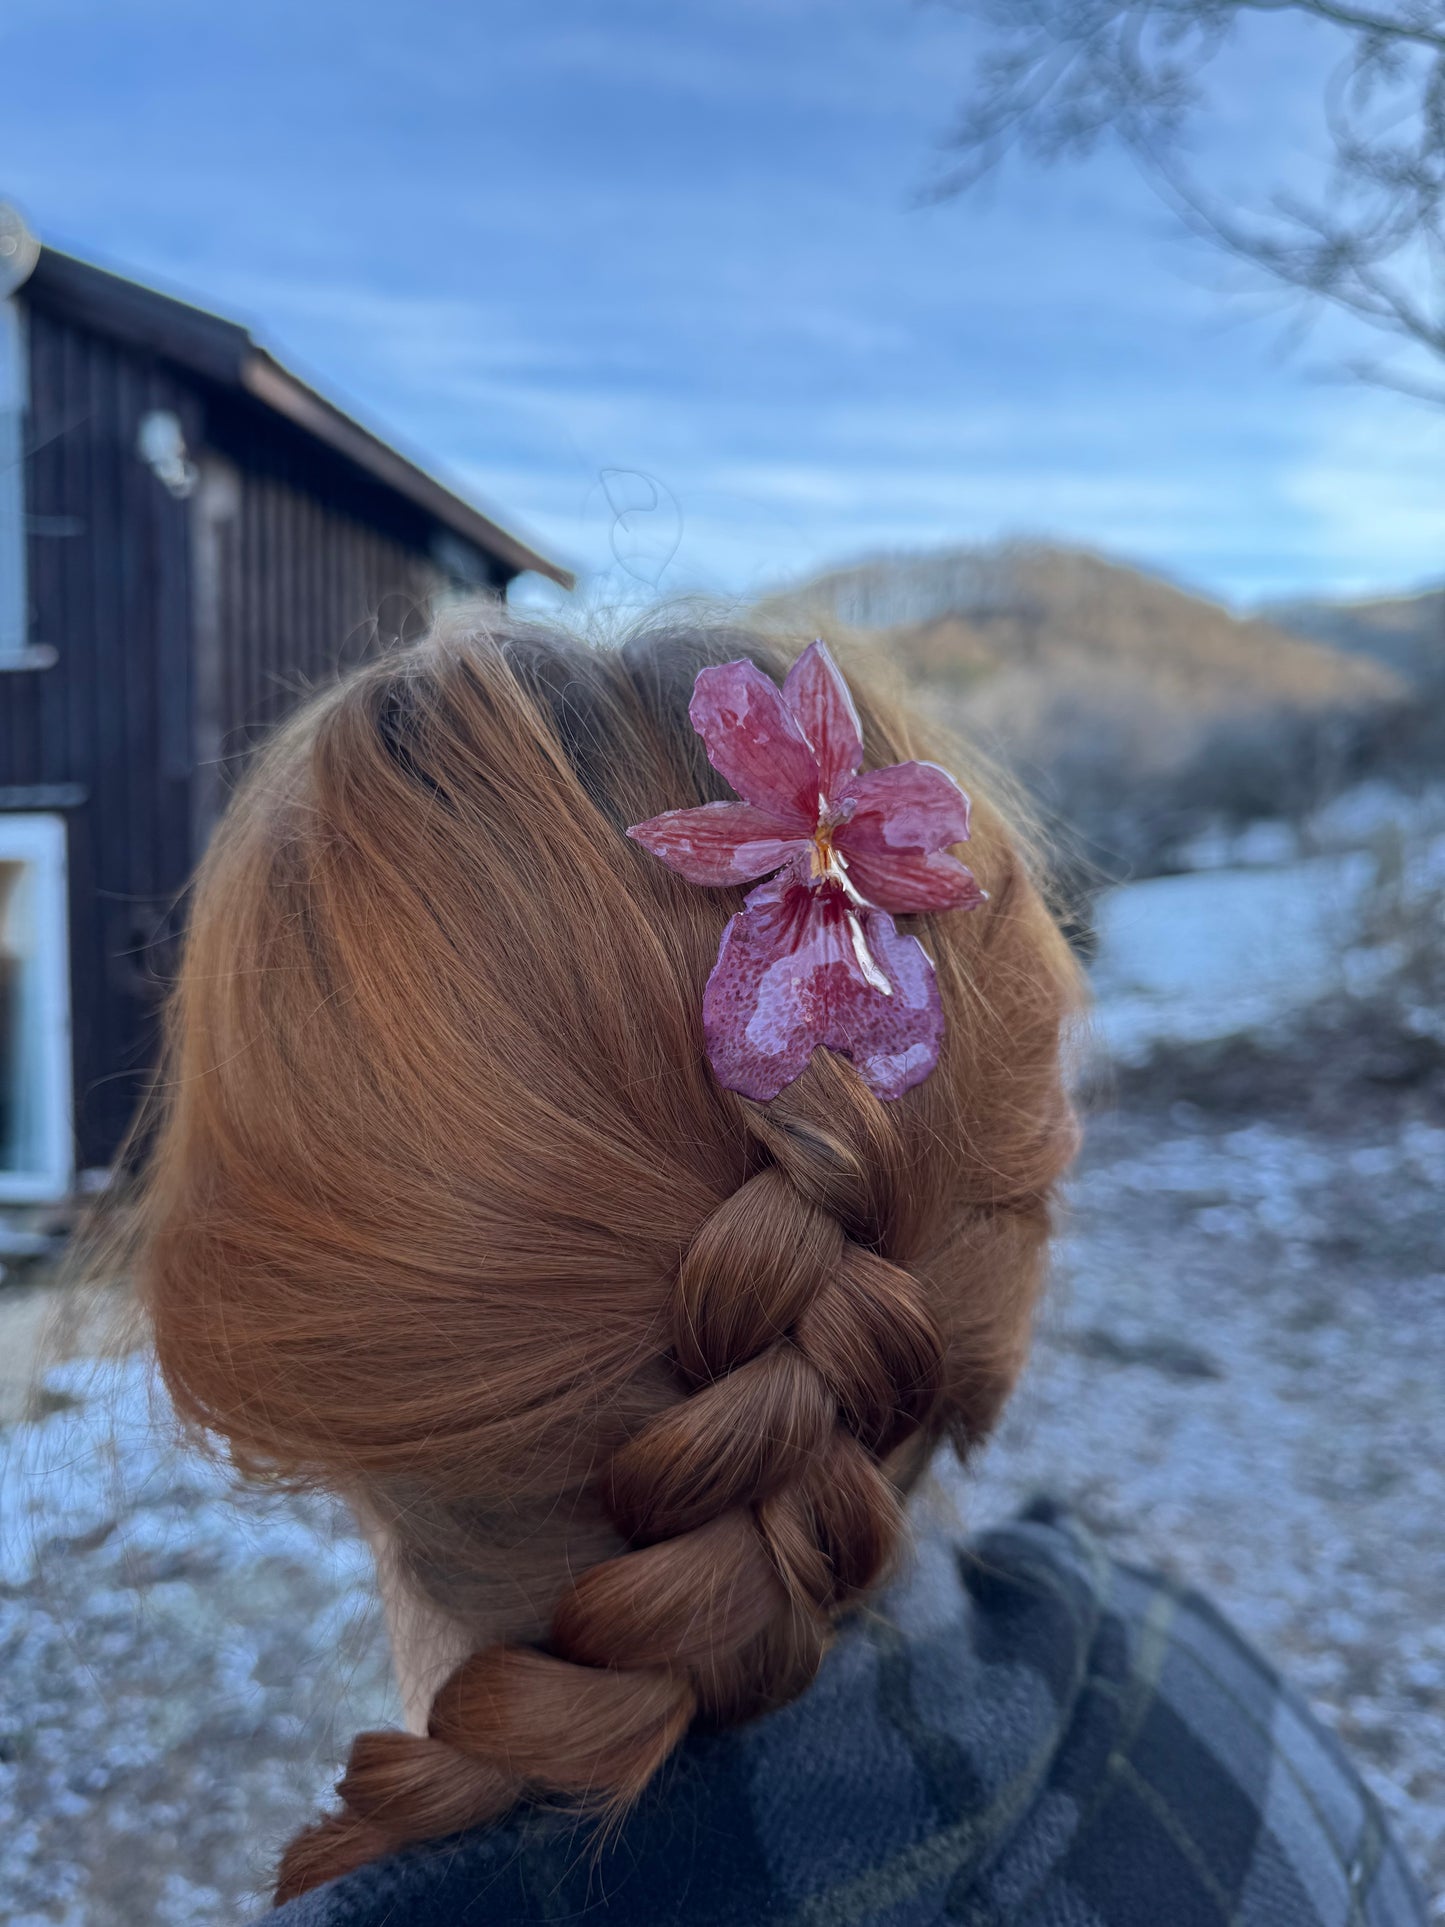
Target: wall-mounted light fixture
point(161, 444)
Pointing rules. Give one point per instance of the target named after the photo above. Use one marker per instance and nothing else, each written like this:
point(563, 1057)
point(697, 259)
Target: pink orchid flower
point(814, 957)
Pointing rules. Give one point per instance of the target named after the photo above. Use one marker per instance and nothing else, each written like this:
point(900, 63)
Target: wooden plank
point(214, 509)
point(43, 796)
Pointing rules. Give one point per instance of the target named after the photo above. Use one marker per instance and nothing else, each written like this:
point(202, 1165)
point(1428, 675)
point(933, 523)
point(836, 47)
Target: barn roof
point(224, 353)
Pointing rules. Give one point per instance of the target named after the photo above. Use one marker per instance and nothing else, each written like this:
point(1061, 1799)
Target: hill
point(1407, 632)
point(1133, 708)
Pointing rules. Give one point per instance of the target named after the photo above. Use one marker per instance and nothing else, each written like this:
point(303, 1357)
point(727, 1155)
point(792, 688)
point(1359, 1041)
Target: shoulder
point(1024, 1731)
point(1185, 1774)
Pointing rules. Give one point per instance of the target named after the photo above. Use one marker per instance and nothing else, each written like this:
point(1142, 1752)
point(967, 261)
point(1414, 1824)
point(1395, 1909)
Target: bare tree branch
point(1057, 79)
point(1380, 375)
point(1420, 29)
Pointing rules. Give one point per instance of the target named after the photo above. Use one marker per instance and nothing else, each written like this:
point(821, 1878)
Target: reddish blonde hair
point(448, 1214)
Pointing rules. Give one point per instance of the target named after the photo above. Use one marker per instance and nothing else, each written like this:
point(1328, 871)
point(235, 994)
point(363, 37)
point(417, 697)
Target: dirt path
point(1239, 1377)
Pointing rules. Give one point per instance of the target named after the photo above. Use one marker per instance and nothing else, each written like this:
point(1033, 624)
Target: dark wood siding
point(306, 568)
point(183, 630)
point(107, 723)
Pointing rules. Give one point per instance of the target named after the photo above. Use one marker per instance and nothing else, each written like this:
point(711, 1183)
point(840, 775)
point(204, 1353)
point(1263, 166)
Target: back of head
point(448, 1214)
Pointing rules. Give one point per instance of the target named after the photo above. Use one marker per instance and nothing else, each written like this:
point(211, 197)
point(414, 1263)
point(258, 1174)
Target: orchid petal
point(907, 806)
point(818, 696)
point(893, 1041)
point(719, 843)
point(754, 740)
point(794, 877)
point(764, 1008)
point(804, 970)
point(909, 881)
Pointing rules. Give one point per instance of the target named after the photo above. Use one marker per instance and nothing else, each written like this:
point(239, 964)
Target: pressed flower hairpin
point(814, 958)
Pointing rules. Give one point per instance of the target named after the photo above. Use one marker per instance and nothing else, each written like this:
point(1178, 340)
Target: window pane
point(35, 1151)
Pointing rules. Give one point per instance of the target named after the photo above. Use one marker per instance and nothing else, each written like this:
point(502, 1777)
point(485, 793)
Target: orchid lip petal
point(865, 957)
point(800, 972)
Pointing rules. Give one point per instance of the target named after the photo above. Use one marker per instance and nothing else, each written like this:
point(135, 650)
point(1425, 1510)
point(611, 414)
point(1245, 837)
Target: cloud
point(537, 250)
point(1372, 490)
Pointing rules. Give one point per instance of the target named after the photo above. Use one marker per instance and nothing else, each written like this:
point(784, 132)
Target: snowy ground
point(1239, 1377)
point(181, 1667)
point(1268, 920)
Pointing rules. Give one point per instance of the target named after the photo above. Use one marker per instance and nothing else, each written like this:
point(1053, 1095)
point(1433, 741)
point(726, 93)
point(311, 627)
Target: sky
point(656, 283)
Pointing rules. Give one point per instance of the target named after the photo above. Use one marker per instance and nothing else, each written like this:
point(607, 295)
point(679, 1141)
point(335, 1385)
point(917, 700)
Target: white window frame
point(38, 842)
point(14, 402)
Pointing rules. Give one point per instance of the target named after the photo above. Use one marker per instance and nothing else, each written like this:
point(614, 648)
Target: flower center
point(825, 859)
point(828, 865)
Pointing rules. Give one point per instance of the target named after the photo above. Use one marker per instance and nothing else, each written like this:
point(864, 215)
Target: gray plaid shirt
point(1022, 1732)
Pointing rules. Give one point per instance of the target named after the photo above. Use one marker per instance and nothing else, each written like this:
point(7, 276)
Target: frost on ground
point(1270, 920)
point(1241, 1379)
point(1238, 1378)
point(180, 1665)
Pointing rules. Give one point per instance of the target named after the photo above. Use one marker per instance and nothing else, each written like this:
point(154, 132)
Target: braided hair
point(447, 1214)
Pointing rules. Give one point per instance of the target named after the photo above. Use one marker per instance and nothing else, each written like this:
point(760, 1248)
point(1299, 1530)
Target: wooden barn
point(189, 536)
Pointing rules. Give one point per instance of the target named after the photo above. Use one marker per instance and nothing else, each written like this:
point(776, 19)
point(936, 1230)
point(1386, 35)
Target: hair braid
point(755, 1508)
point(508, 1722)
point(447, 1216)
point(810, 1358)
